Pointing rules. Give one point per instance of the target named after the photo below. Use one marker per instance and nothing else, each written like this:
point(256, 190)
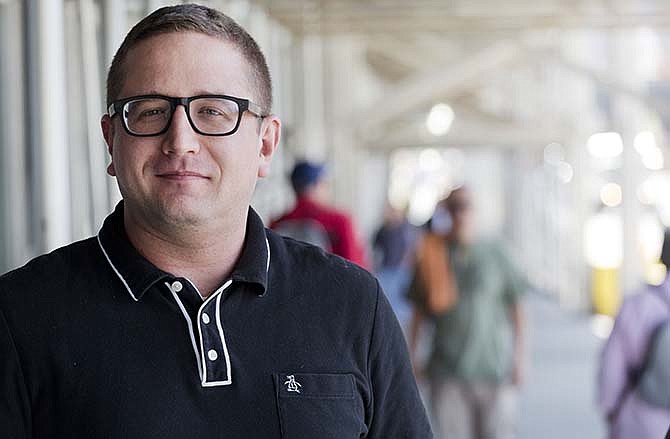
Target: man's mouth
point(181, 175)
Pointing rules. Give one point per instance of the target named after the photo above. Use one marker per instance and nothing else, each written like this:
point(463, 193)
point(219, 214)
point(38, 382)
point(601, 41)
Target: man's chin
point(183, 211)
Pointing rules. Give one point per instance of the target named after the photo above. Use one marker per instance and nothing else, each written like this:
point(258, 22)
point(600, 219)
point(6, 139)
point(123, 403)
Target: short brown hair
point(193, 18)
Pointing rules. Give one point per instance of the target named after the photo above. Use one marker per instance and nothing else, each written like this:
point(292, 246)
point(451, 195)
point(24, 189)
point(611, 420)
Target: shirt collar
point(138, 275)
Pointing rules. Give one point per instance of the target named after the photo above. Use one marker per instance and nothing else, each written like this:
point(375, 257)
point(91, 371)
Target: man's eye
point(153, 112)
point(212, 112)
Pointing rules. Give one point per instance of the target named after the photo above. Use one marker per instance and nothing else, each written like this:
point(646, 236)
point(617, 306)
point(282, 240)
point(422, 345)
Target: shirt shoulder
point(298, 266)
point(645, 304)
point(48, 274)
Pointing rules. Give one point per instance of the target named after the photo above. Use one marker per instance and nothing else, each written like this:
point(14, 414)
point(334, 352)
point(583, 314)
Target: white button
point(212, 355)
point(205, 318)
point(177, 286)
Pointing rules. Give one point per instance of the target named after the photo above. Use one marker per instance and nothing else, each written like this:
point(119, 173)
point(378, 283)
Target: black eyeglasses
point(209, 115)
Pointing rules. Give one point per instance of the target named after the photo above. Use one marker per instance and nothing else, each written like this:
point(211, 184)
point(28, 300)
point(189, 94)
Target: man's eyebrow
point(195, 93)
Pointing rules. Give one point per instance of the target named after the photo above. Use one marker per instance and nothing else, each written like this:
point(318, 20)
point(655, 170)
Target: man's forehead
point(185, 63)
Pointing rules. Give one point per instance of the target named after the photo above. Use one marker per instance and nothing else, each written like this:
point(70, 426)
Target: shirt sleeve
point(14, 401)
point(515, 284)
point(614, 364)
point(396, 408)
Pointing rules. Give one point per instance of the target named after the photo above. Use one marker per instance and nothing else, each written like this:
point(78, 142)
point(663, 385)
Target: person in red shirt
point(314, 221)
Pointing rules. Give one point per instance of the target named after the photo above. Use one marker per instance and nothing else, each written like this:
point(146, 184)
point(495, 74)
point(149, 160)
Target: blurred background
point(554, 112)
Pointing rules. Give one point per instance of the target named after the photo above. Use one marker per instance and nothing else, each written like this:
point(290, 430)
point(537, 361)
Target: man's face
point(460, 209)
point(181, 177)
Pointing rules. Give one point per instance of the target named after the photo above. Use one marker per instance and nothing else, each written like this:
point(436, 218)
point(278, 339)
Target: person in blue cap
point(314, 221)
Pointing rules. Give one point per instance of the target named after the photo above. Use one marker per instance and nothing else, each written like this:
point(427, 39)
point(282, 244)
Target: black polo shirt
point(96, 342)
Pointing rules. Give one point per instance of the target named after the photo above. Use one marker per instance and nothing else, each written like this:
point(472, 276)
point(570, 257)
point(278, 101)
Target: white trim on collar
point(190, 327)
point(267, 244)
point(125, 284)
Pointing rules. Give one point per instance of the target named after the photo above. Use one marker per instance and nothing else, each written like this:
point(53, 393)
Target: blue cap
point(305, 174)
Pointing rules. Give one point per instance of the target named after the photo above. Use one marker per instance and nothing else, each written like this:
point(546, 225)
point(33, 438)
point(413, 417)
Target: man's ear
point(108, 133)
point(270, 134)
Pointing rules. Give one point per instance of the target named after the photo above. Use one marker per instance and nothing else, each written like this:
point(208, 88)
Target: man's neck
point(206, 255)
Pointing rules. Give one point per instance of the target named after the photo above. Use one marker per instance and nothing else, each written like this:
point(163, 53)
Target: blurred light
point(661, 187)
point(605, 145)
point(650, 237)
point(646, 191)
point(601, 325)
point(644, 142)
point(422, 204)
point(603, 240)
point(564, 172)
point(553, 154)
point(430, 160)
point(652, 156)
point(650, 243)
point(611, 195)
point(655, 274)
point(653, 159)
point(440, 119)
point(402, 178)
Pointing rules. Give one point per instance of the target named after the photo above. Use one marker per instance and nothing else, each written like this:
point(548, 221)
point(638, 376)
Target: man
point(470, 290)
point(184, 317)
point(311, 213)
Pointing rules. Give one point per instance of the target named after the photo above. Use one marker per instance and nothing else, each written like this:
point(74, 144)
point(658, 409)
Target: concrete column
point(313, 125)
point(93, 108)
point(46, 23)
point(114, 27)
point(13, 182)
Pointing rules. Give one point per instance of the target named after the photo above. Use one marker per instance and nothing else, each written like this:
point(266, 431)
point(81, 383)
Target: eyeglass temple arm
point(256, 109)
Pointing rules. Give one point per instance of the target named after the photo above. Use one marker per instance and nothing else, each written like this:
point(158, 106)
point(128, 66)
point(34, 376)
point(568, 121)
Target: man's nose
point(180, 137)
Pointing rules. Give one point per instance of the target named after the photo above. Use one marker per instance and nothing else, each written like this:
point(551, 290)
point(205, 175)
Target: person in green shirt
point(469, 289)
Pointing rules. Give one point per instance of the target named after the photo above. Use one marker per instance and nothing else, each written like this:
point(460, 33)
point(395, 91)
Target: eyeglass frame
point(244, 105)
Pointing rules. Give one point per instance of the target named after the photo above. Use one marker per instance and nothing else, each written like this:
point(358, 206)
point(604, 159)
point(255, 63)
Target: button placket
point(212, 341)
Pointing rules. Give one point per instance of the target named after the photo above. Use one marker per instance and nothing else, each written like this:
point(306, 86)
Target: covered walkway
point(559, 390)
point(554, 112)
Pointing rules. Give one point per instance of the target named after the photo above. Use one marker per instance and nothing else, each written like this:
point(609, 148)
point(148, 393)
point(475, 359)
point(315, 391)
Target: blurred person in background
point(468, 288)
point(634, 376)
point(394, 249)
point(313, 220)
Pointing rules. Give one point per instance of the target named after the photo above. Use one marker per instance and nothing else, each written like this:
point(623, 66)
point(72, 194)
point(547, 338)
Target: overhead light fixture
point(653, 160)
point(565, 172)
point(645, 142)
point(652, 156)
point(439, 119)
point(605, 145)
point(611, 195)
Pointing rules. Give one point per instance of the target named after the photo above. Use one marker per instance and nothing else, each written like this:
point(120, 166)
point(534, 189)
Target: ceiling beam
point(444, 23)
point(442, 82)
point(610, 82)
point(468, 134)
